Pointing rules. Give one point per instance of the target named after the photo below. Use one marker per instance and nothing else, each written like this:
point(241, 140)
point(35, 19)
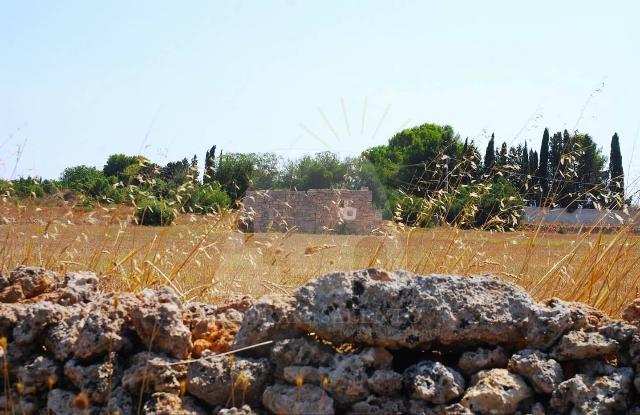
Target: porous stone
point(376, 357)
point(157, 319)
point(583, 394)
point(434, 382)
point(375, 405)
point(305, 374)
point(35, 321)
point(385, 382)
point(299, 352)
point(631, 312)
point(122, 402)
point(64, 402)
point(551, 319)
point(105, 329)
point(270, 318)
point(95, 380)
point(215, 333)
point(162, 403)
point(26, 282)
point(38, 374)
point(307, 399)
point(62, 336)
point(211, 377)
point(400, 309)
point(77, 287)
point(481, 359)
point(496, 391)
point(542, 372)
point(153, 372)
point(244, 410)
point(578, 345)
point(10, 315)
point(347, 380)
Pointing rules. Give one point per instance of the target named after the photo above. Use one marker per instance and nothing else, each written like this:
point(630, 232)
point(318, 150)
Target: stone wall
point(587, 217)
point(313, 211)
point(367, 342)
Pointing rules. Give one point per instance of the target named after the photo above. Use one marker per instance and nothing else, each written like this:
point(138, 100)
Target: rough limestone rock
point(77, 287)
point(94, 380)
point(154, 372)
point(122, 401)
point(305, 374)
point(10, 315)
point(306, 399)
point(105, 329)
point(496, 391)
point(631, 312)
point(244, 410)
point(215, 333)
point(35, 321)
point(578, 345)
point(270, 318)
point(162, 403)
point(376, 357)
point(157, 318)
point(400, 309)
point(36, 375)
point(299, 352)
point(542, 372)
point(61, 402)
point(434, 382)
point(214, 328)
point(551, 319)
point(375, 405)
point(62, 336)
point(210, 379)
point(348, 380)
point(26, 282)
point(583, 394)
point(481, 359)
point(385, 382)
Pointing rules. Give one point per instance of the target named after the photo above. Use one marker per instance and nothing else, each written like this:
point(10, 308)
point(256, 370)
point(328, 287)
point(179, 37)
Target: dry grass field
point(205, 257)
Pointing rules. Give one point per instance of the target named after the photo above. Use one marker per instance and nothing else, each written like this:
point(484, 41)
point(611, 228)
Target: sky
point(80, 80)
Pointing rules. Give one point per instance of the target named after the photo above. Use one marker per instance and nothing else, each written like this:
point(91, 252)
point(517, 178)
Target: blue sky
point(80, 80)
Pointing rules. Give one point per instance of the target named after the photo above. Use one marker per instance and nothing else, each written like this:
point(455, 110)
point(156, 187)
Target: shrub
point(208, 199)
point(500, 206)
point(154, 212)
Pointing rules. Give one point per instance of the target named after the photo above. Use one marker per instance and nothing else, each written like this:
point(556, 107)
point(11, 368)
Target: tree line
point(427, 168)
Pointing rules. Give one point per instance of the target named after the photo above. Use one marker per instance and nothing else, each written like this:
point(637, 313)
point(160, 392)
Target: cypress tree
point(543, 167)
point(533, 162)
point(503, 155)
point(616, 174)
point(524, 168)
point(490, 154)
point(209, 165)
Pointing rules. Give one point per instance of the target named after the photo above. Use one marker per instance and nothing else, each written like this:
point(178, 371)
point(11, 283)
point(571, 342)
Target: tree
point(176, 172)
point(413, 158)
point(490, 154)
point(210, 165)
point(194, 169)
point(117, 164)
point(590, 171)
point(502, 156)
point(533, 162)
point(235, 172)
point(86, 180)
point(543, 166)
point(616, 174)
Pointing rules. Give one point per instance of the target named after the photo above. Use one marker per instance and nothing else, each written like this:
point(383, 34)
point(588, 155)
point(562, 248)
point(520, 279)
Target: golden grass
point(206, 258)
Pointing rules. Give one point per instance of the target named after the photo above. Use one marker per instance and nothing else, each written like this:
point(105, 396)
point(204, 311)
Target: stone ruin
point(313, 211)
point(368, 342)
